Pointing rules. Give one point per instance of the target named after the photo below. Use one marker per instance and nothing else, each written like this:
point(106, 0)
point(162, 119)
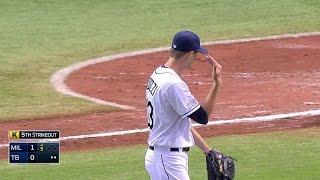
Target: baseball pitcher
point(170, 109)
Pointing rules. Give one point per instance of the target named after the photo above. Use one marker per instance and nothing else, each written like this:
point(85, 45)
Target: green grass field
point(277, 155)
point(39, 37)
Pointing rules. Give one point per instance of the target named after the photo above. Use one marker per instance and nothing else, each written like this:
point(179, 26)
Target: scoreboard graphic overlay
point(36, 147)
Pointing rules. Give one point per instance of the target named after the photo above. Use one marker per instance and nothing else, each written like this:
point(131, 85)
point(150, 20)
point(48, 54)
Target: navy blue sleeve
point(200, 116)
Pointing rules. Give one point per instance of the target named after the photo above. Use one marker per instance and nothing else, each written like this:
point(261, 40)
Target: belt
point(184, 149)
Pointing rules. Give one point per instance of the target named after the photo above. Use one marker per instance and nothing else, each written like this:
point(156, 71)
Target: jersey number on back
point(150, 115)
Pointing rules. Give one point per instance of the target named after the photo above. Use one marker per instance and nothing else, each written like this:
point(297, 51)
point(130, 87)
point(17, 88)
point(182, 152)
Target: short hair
point(175, 54)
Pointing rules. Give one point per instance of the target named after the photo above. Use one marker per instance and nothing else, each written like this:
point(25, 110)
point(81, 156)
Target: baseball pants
point(163, 164)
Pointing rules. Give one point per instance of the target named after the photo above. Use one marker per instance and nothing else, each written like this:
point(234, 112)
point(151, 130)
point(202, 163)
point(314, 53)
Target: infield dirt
point(260, 78)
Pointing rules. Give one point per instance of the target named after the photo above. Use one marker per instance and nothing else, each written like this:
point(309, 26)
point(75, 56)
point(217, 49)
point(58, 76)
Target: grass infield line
point(276, 117)
point(58, 78)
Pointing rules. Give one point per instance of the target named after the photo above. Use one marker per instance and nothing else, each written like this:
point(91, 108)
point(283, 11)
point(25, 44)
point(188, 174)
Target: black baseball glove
point(220, 166)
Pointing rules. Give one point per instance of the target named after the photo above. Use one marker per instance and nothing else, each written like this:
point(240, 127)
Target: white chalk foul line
point(276, 117)
point(59, 77)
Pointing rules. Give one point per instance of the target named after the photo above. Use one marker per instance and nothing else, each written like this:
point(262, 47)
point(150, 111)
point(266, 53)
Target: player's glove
point(220, 166)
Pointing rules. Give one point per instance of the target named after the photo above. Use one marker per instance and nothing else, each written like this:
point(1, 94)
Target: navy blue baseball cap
point(186, 41)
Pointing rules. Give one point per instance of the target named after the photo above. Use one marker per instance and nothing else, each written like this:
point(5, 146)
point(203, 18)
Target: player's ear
point(192, 54)
point(185, 56)
point(189, 54)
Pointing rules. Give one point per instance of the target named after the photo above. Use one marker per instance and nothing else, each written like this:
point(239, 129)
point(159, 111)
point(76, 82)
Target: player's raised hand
point(216, 70)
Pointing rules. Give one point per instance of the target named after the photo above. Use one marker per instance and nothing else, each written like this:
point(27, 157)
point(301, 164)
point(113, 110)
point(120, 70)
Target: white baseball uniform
point(170, 102)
